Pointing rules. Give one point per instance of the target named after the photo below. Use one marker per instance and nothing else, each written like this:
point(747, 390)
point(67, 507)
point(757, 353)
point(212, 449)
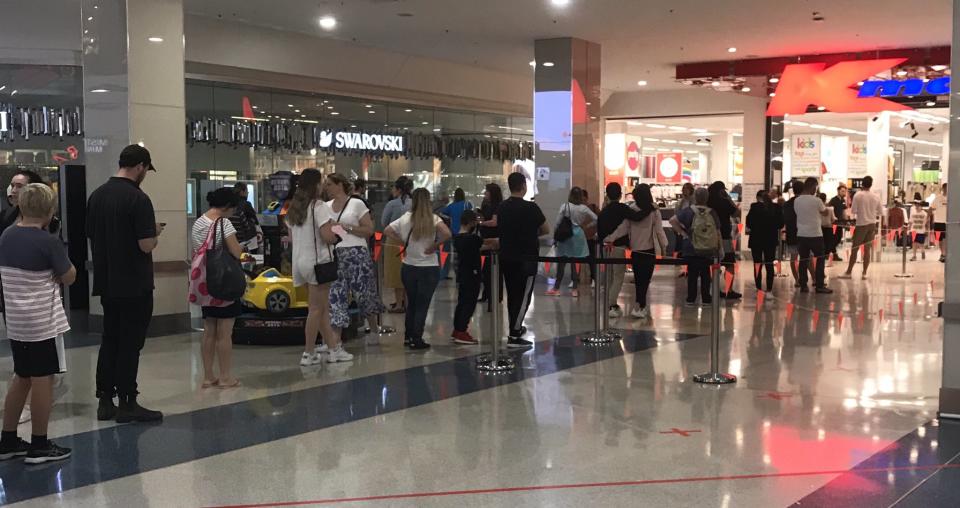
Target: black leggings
point(644, 262)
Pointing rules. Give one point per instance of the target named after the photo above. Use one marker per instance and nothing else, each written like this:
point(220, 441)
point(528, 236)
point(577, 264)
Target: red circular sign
point(633, 156)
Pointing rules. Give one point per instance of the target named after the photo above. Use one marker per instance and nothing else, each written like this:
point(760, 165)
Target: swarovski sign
point(345, 140)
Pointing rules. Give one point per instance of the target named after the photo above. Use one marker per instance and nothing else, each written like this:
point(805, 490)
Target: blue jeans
point(419, 282)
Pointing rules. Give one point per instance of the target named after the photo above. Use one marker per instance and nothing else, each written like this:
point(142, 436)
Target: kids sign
point(805, 155)
point(815, 84)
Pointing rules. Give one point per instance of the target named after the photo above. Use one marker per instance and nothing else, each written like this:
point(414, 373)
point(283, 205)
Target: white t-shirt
point(308, 246)
point(413, 253)
point(808, 209)
point(201, 228)
point(866, 207)
point(352, 213)
point(579, 214)
point(919, 218)
point(940, 210)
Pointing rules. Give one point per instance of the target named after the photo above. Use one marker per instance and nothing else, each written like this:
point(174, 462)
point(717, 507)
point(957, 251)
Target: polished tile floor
point(835, 406)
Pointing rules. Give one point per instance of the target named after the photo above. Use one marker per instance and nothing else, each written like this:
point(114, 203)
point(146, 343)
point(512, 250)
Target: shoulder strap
point(344, 208)
point(313, 214)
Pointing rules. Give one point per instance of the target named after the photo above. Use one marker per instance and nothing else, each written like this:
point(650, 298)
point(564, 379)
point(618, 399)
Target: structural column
point(566, 120)
point(133, 77)
point(720, 157)
point(878, 153)
point(950, 388)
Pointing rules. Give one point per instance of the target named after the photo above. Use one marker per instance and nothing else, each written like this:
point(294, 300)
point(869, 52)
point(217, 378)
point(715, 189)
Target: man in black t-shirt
point(520, 225)
point(839, 204)
point(123, 234)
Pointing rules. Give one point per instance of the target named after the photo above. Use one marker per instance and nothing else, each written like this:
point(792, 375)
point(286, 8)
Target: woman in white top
point(357, 275)
point(576, 246)
point(919, 226)
point(422, 234)
point(217, 342)
point(313, 239)
point(647, 241)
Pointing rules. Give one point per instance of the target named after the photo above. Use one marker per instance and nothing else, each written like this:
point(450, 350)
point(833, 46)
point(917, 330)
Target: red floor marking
point(684, 433)
point(634, 483)
point(775, 395)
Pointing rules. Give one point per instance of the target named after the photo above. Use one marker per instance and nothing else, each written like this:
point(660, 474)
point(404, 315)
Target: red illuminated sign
point(669, 167)
point(815, 84)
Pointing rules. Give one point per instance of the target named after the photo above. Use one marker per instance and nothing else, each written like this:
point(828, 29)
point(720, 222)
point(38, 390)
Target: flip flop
point(210, 384)
point(234, 384)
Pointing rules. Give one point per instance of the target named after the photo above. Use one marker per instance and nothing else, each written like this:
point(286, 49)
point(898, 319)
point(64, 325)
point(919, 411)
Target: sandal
point(396, 309)
point(233, 384)
point(210, 384)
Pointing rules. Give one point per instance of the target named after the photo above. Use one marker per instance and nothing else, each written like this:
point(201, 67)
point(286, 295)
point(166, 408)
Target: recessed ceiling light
point(353, 126)
point(715, 83)
point(656, 126)
point(334, 113)
point(533, 63)
point(901, 73)
point(931, 103)
point(328, 22)
point(774, 80)
point(99, 90)
point(289, 105)
point(408, 110)
point(2, 87)
point(821, 108)
point(329, 107)
point(548, 64)
point(731, 50)
point(155, 39)
point(425, 123)
point(938, 68)
point(255, 107)
point(560, 3)
point(745, 89)
point(90, 18)
point(296, 111)
point(641, 83)
point(676, 128)
point(368, 106)
point(436, 130)
point(371, 112)
point(773, 94)
point(303, 116)
point(15, 92)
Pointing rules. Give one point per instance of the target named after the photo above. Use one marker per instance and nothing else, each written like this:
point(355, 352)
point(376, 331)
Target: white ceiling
point(641, 39)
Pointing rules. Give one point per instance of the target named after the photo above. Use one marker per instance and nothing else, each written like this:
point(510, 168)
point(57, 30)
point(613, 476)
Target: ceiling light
point(368, 106)
point(641, 83)
point(652, 139)
point(408, 110)
point(289, 105)
point(656, 126)
point(334, 113)
point(731, 50)
point(548, 64)
point(821, 108)
point(774, 80)
point(15, 93)
point(296, 111)
point(560, 3)
point(155, 39)
point(745, 89)
point(425, 123)
point(675, 128)
point(938, 68)
point(255, 107)
point(931, 103)
point(303, 116)
point(436, 130)
point(901, 73)
point(773, 94)
point(685, 142)
point(2, 87)
point(629, 122)
point(328, 22)
point(95, 90)
point(670, 141)
point(371, 112)
point(90, 18)
point(329, 107)
point(353, 126)
point(715, 83)
point(533, 63)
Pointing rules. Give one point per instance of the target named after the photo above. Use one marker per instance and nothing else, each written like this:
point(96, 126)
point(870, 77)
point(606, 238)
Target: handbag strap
point(313, 215)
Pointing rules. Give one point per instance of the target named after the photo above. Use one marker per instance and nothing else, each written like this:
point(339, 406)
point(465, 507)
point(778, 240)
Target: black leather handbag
point(225, 278)
point(324, 272)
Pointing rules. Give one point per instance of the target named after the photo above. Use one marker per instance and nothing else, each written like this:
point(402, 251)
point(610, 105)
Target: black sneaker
point(131, 412)
point(407, 341)
point(16, 448)
point(418, 345)
point(824, 291)
point(804, 289)
point(733, 295)
point(106, 410)
point(49, 453)
point(517, 342)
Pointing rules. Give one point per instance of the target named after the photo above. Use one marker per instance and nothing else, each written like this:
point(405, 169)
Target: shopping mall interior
point(578, 390)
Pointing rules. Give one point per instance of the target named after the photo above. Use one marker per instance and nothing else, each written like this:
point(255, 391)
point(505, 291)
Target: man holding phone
point(123, 234)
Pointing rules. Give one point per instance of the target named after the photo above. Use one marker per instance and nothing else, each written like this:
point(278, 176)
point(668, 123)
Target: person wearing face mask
point(123, 234)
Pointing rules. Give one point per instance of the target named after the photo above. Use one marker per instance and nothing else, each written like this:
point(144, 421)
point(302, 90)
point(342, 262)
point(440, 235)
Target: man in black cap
point(123, 234)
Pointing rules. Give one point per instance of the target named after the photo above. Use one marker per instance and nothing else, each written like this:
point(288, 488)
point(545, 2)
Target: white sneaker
point(307, 359)
point(615, 312)
point(322, 349)
point(570, 285)
point(593, 284)
point(339, 355)
point(638, 312)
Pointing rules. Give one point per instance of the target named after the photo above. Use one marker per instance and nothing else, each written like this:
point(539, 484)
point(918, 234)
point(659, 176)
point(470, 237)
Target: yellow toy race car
point(274, 293)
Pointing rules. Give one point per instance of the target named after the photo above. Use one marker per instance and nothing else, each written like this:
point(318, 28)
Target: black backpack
point(564, 230)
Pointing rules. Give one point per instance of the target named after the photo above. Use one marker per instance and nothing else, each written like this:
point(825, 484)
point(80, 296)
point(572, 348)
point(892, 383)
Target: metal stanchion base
point(903, 275)
point(597, 338)
point(715, 378)
point(385, 330)
point(485, 363)
point(613, 333)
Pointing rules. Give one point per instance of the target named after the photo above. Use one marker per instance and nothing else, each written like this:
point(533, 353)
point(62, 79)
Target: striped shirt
point(30, 258)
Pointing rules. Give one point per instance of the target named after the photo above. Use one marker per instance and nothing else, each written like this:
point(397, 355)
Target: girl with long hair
point(310, 222)
point(492, 197)
point(576, 246)
point(396, 207)
point(422, 233)
point(647, 240)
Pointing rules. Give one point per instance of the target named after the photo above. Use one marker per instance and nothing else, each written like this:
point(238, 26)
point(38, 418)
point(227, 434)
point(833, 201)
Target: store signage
point(669, 167)
point(815, 84)
point(345, 140)
point(805, 155)
point(633, 156)
point(857, 159)
point(905, 87)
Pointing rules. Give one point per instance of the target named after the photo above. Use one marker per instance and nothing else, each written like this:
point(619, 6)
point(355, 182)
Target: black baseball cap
point(136, 154)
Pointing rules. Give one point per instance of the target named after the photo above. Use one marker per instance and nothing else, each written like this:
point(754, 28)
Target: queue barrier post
point(715, 377)
point(381, 271)
point(494, 362)
point(599, 336)
point(607, 271)
point(903, 264)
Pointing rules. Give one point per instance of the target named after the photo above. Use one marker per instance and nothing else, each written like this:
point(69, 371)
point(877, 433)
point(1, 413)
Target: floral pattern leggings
point(356, 277)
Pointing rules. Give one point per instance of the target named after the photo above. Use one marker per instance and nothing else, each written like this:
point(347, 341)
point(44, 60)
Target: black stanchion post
point(903, 264)
point(493, 362)
point(607, 269)
point(598, 336)
point(715, 377)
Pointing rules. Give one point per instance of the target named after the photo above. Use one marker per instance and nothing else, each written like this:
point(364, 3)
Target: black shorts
point(35, 359)
point(940, 227)
point(230, 311)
